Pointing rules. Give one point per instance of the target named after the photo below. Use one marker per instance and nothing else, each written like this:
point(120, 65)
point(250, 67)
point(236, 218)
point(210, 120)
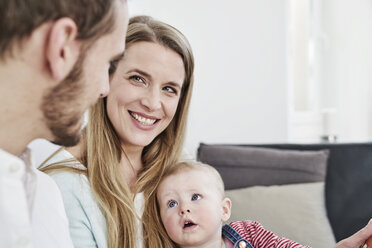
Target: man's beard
point(63, 107)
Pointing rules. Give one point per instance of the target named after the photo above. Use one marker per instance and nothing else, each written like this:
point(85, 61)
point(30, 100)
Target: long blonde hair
point(103, 151)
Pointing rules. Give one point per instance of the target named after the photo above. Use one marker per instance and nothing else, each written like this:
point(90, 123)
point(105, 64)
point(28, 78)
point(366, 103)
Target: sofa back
point(348, 184)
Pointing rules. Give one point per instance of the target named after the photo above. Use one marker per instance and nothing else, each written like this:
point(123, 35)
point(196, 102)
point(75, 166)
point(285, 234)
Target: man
point(55, 57)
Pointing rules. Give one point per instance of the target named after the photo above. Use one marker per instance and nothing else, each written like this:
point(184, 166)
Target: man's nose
point(105, 90)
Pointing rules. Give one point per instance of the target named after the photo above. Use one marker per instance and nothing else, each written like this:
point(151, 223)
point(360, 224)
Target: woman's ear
point(62, 47)
point(226, 209)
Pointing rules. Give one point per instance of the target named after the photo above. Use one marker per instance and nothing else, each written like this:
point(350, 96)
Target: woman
point(106, 178)
point(132, 136)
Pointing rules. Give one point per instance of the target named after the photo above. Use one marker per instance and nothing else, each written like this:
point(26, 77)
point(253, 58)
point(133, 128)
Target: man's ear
point(63, 48)
point(226, 209)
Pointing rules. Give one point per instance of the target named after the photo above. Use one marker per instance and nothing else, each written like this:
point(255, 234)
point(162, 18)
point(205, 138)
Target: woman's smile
point(144, 120)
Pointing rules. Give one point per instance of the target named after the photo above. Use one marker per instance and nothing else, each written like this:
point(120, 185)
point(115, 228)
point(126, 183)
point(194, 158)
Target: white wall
point(339, 72)
point(240, 48)
point(347, 71)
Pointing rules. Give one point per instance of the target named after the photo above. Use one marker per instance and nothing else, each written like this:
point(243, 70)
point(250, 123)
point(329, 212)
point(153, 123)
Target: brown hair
point(18, 19)
point(158, 236)
point(103, 151)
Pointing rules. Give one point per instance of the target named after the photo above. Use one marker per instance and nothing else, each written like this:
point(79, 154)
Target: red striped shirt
point(255, 234)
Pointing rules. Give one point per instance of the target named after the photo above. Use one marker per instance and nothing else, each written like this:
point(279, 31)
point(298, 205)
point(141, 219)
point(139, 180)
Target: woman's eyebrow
point(141, 72)
point(174, 84)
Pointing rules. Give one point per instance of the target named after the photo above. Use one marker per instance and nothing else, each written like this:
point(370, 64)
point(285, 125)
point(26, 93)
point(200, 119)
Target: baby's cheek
point(170, 225)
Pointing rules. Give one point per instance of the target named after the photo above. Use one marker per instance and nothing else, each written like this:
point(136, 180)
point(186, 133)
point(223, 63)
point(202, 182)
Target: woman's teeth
point(143, 120)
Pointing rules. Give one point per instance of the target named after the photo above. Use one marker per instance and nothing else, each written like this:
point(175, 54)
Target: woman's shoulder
point(63, 157)
point(74, 187)
point(83, 212)
point(77, 194)
point(68, 180)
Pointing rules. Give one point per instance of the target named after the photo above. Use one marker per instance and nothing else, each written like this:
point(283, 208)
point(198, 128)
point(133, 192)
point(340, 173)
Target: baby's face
point(192, 207)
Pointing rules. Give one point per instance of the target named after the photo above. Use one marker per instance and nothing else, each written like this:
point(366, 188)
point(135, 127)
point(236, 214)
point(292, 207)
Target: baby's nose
point(184, 211)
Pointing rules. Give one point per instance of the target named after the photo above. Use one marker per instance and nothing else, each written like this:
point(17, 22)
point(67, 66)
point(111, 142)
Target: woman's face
point(145, 91)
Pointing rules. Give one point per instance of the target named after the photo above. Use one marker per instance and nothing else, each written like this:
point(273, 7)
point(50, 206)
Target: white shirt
point(139, 204)
point(31, 208)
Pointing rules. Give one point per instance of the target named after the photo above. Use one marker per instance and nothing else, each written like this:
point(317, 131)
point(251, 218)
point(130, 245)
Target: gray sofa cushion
point(250, 166)
point(283, 209)
point(348, 182)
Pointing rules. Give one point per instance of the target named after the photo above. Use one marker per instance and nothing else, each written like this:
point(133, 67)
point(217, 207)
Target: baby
point(192, 209)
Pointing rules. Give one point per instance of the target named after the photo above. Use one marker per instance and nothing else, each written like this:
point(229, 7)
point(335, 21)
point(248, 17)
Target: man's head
point(76, 42)
point(18, 19)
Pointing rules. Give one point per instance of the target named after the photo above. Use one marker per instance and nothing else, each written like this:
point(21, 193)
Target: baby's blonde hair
point(195, 165)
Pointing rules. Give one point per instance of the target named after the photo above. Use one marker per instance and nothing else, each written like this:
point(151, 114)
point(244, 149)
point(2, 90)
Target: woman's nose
point(151, 101)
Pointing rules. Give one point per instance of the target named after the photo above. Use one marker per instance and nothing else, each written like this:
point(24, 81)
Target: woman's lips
point(143, 121)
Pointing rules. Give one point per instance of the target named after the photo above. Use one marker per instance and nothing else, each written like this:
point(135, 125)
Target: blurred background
point(272, 71)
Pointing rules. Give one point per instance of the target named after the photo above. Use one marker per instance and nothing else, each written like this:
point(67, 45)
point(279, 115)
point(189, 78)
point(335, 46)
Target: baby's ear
point(226, 209)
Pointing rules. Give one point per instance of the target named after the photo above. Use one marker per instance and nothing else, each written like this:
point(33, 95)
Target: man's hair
point(19, 18)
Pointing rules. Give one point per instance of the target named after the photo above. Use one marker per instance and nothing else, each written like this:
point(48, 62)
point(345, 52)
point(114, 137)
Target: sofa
point(332, 181)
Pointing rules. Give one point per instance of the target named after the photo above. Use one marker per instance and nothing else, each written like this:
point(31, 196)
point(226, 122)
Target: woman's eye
point(172, 204)
point(195, 197)
point(170, 90)
point(137, 79)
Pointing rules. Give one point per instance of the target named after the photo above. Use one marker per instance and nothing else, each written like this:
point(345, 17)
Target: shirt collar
point(26, 157)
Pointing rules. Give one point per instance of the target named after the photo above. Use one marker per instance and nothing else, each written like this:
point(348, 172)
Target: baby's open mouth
point(188, 224)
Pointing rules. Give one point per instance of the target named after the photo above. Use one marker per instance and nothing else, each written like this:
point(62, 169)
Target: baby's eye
point(195, 197)
point(172, 204)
